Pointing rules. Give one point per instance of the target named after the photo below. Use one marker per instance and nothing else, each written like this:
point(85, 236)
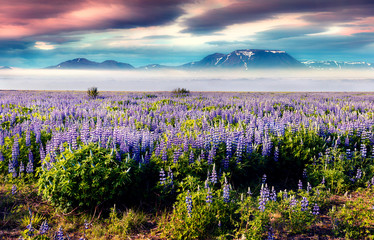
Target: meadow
point(181, 165)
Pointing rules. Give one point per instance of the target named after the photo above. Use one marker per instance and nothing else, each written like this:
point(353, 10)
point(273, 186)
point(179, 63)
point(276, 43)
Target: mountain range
point(239, 59)
point(245, 59)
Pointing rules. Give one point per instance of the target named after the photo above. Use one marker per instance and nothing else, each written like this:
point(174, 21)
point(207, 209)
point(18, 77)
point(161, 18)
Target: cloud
point(23, 18)
point(288, 32)
point(252, 10)
point(44, 46)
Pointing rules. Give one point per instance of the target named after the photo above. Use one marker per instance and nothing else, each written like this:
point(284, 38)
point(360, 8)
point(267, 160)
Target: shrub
point(181, 91)
point(86, 177)
point(93, 92)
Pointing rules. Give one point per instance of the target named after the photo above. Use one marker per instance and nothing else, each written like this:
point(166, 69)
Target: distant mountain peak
point(247, 59)
point(83, 63)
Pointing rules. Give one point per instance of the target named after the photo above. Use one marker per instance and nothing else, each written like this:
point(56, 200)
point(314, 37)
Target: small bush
point(181, 91)
point(93, 92)
point(86, 177)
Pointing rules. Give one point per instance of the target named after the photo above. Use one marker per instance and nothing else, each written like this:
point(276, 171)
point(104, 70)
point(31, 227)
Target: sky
point(40, 33)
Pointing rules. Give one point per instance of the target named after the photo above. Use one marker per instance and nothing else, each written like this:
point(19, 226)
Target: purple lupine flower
point(15, 152)
point(213, 177)
point(323, 181)
point(273, 195)
point(304, 204)
point(164, 155)
point(21, 167)
point(14, 189)
point(264, 197)
point(162, 177)
point(270, 234)
point(44, 228)
point(226, 162)
point(276, 154)
point(86, 224)
point(176, 155)
point(249, 191)
point(209, 197)
point(11, 168)
point(30, 229)
point(60, 234)
point(308, 187)
point(28, 142)
point(189, 203)
point(171, 177)
point(226, 192)
point(1, 157)
point(293, 202)
point(191, 158)
point(300, 185)
point(305, 174)
point(210, 156)
point(315, 210)
point(264, 179)
point(348, 153)
point(363, 150)
point(285, 194)
point(358, 173)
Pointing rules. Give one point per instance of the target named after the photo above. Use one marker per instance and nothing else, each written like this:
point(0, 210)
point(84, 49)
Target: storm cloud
point(251, 10)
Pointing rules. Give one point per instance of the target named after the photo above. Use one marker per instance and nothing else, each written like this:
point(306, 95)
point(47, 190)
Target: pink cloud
point(25, 18)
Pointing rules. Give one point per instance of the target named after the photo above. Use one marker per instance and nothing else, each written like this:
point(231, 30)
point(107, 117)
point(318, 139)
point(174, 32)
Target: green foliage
point(119, 225)
point(93, 93)
point(181, 92)
point(206, 221)
point(355, 220)
point(87, 177)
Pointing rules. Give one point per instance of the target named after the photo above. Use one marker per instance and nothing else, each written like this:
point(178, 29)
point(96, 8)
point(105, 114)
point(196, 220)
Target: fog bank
point(166, 80)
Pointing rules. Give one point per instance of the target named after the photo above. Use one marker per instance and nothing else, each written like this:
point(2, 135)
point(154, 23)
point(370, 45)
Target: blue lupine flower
point(249, 191)
point(209, 197)
point(264, 178)
point(315, 210)
point(162, 177)
point(270, 234)
point(273, 195)
point(21, 167)
point(189, 203)
point(308, 187)
point(363, 150)
point(213, 177)
point(304, 204)
point(44, 228)
point(264, 197)
point(293, 202)
point(14, 189)
point(276, 154)
point(300, 185)
point(86, 224)
point(305, 174)
point(358, 173)
point(60, 234)
point(191, 158)
point(226, 192)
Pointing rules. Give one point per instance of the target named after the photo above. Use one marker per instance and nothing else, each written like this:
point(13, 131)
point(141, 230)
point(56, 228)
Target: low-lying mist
point(166, 80)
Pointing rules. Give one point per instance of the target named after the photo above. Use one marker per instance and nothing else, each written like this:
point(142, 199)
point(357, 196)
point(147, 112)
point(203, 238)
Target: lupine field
point(186, 166)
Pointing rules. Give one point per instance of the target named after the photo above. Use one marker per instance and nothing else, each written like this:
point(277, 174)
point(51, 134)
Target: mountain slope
point(247, 59)
point(83, 63)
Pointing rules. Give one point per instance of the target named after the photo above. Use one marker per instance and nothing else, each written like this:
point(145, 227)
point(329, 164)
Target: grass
point(343, 217)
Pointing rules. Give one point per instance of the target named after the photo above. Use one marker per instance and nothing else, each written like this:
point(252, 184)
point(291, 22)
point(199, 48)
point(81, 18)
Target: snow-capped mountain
point(247, 59)
point(154, 67)
point(331, 65)
point(83, 63)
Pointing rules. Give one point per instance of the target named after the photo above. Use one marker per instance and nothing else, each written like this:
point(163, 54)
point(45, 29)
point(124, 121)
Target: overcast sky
point(39, 33)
